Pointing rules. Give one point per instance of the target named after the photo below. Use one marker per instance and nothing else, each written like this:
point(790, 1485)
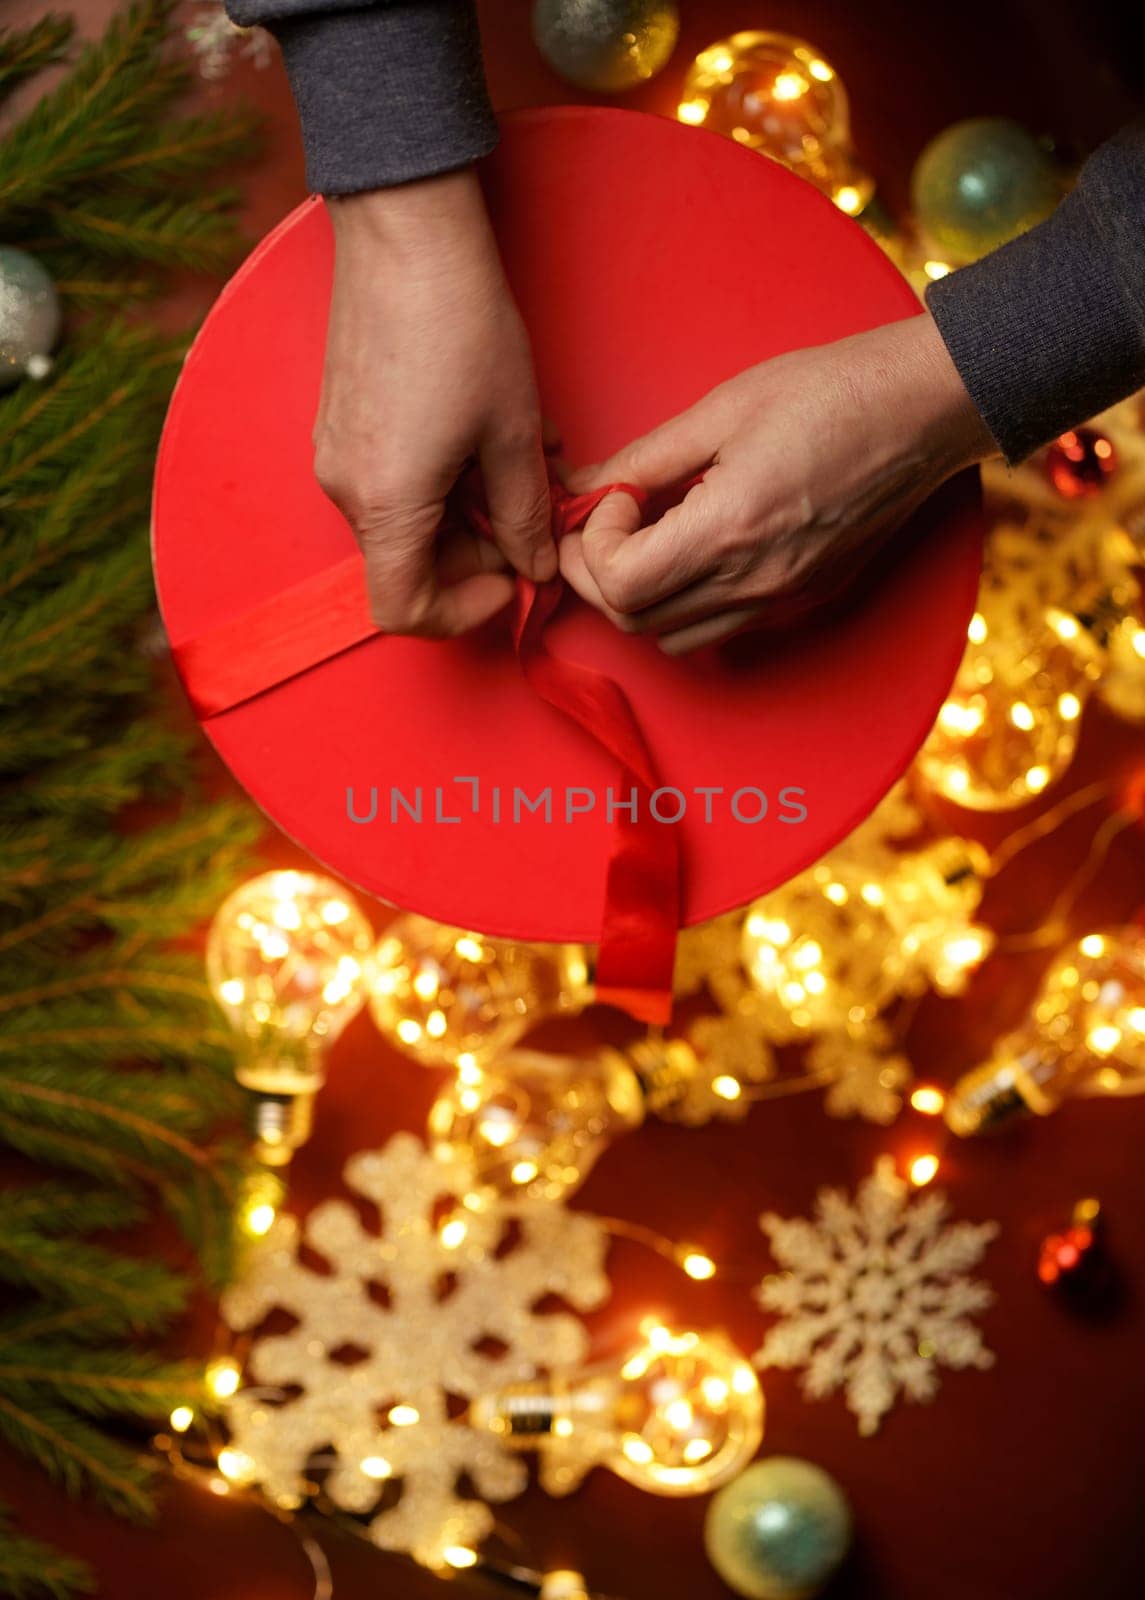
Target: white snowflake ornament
point(395, 1332)
point(217, 42)
point(874, 1297)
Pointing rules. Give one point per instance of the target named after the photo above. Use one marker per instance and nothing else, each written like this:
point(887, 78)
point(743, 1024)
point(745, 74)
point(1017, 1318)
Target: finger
point(674, 451)
point(403, 582)
point(634, 567)
point(520, 508)
point(694, 603)
point(610, 525)
point(468, 604)
point(461, 554)
point(713, 630)
point(580, 580)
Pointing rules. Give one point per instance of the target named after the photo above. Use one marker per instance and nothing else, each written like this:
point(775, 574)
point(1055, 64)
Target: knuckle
point(530, 520)
point(327, 467)
point(395, 611)
point(365, 492)
point(618, 589)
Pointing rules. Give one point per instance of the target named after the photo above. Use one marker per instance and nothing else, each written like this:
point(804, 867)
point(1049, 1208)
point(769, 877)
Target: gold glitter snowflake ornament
point(394, 1332)
point(866, 1075)
point(875, 1297)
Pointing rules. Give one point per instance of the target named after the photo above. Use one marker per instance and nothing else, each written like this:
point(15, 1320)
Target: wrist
point(412, 218)
point(941, 401)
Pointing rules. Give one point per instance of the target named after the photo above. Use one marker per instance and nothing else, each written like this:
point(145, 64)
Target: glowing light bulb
point(222, 1379)
point(563, 1583)
point(931, 898)
point(286, 960)
point(1085, 1035)
point(776, 94)
point(1009, 726)
point(236, 1466)
point(823, 951)
point(696, 1263)
point(536, 1123)
point(929, 1101)
point(923, 1169)
point(679, 1415)
point(444, 995)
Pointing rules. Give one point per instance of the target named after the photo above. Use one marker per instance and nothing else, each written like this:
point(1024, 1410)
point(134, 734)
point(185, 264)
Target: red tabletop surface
point(1021, 1483)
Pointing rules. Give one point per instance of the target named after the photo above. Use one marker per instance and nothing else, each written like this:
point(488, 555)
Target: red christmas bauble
point(1080, 462)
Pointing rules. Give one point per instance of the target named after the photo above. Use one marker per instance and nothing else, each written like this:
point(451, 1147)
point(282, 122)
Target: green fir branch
point(63, 1208)
point(198, 232)
point(189, 147)
point(102, 781)
point(145, 1294)
point(100, 112)
point(24, 52)
point(31, 1570)
point(77, 1454)
point(115, 1066)
point(102, 1383)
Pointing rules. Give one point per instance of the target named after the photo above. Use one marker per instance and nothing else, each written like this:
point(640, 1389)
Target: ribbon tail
point(642, 895)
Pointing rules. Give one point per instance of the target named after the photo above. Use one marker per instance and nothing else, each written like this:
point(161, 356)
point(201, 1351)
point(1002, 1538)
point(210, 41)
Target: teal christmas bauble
point(980, 183)
point(607, 45)
point(779, 1530)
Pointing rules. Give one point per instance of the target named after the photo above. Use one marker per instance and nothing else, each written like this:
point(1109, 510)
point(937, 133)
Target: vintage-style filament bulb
point(534, 1123)
point(446, 995)
point(680, 1414)
point(1085, 1035)
point(286, 959)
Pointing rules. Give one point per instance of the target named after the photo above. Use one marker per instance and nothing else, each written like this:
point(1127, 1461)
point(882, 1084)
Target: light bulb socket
point(289, 1069)
point(987, 1099)
point(666, 1069)
point(520, 1414)
point(1098, 611)
point(280, 1124)
point(579, 990)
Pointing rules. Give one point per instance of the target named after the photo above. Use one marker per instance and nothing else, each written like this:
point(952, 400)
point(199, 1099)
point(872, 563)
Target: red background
point(1020, 1482)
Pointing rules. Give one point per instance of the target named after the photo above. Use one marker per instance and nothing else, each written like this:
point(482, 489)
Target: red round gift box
point(650, 261)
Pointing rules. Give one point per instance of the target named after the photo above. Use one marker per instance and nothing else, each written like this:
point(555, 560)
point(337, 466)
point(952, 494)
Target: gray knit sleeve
point(386, 93)
point(1050, 329)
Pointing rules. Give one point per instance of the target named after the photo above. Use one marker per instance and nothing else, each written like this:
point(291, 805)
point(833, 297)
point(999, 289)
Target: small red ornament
point(1065, 1258)
point(1079, 462)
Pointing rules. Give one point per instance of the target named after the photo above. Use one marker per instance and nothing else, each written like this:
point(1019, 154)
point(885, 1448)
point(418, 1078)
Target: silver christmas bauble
point(29, 317)
point(606, 45)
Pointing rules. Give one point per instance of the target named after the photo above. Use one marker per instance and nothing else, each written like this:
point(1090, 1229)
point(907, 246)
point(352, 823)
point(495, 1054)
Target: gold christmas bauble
point(778, 95)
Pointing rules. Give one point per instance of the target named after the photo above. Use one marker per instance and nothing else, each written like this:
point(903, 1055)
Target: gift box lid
point(650, 262)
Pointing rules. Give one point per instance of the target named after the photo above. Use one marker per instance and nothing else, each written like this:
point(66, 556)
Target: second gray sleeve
point(386, 93)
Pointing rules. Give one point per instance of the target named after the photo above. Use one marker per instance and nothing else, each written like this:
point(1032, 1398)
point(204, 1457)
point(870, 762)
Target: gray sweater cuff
point(385, 95)
point(1050, 329)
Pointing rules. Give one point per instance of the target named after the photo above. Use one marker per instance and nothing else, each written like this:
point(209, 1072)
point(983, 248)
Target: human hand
point(810, 462)
point(428, 366)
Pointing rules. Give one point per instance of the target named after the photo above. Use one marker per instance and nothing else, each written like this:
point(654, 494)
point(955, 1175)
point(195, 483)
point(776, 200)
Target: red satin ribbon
point(310, 622)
